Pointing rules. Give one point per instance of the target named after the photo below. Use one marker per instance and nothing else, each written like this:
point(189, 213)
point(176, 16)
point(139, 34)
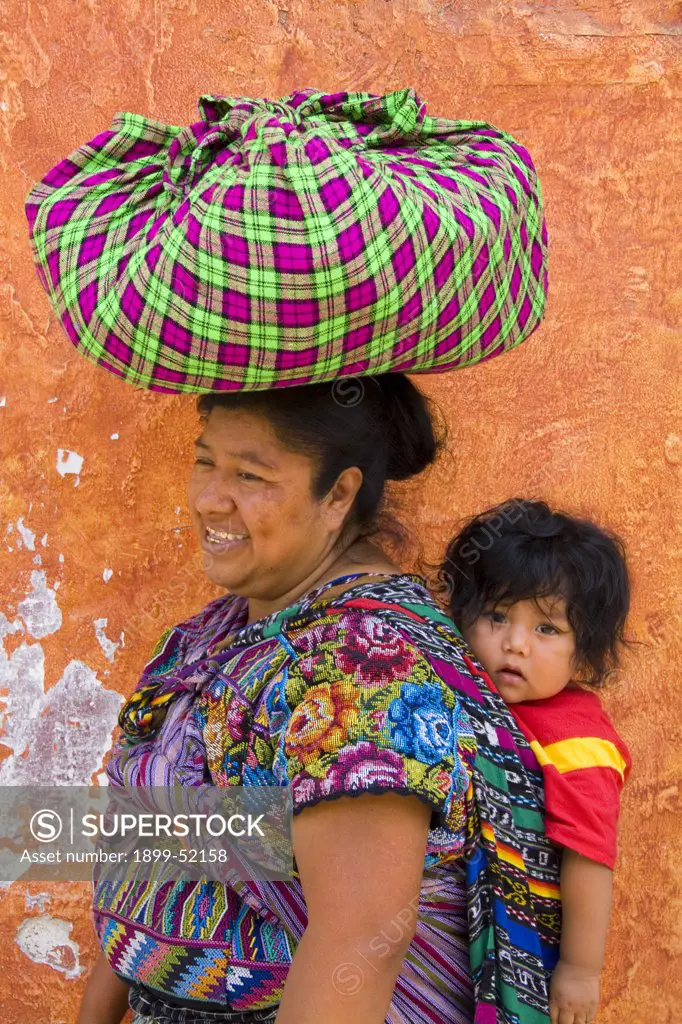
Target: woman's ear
point(339, 501)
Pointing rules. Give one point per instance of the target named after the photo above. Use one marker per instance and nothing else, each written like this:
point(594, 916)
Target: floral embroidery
point(378, 718)
point(312, 644)
point(363, 766)
point(373, 652)
point(322, 721)
point(235, 718)
point(305, 789)
point(421, 726)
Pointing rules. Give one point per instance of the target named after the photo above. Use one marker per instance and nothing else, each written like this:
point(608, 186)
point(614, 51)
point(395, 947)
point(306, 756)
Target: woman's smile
point(218, 542)
point(220, 545)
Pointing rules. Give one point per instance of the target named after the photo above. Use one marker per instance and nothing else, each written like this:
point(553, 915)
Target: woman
point(327, 669)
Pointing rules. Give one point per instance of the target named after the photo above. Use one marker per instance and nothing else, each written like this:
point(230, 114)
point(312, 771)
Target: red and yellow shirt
point(584, 763)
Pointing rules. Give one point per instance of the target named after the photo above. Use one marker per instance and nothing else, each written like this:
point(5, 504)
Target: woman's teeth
point(218, 537)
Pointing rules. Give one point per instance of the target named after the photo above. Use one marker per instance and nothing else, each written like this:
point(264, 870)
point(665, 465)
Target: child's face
point(527, 648)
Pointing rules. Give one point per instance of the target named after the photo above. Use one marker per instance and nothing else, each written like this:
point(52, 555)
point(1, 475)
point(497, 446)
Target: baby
point(541, 598)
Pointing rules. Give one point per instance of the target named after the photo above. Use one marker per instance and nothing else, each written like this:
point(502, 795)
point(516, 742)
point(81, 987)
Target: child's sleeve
point(585, 764)
point(582, 807)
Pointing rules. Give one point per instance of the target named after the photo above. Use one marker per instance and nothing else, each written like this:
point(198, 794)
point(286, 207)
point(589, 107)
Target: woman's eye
point(245, 476)
point(494, 616)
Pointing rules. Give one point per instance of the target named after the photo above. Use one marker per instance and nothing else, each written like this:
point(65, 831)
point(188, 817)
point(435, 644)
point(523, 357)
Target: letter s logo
point(46, 826)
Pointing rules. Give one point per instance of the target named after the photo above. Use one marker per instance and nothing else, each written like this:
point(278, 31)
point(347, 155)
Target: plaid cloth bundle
point(277, 243)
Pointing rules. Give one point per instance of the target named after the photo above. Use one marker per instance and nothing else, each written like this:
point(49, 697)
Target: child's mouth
point(510, 675)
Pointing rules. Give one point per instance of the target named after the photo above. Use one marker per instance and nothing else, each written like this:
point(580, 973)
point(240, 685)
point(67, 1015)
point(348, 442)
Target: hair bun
point(411, 442)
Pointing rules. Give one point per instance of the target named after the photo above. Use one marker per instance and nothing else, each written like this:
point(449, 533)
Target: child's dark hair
point(521, 550)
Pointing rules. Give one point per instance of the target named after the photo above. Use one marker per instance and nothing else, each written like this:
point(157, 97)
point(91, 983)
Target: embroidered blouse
point(366, 691)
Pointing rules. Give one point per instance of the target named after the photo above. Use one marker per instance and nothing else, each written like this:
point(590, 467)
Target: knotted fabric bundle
point(277, 243)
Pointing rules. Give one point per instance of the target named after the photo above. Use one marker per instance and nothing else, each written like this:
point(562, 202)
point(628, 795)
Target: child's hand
point(573, 994)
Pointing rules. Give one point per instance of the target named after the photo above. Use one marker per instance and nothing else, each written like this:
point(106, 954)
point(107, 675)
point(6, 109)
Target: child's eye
point(552, 630)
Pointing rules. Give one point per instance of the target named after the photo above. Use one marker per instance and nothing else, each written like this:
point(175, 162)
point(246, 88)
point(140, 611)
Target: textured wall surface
point(586, 413)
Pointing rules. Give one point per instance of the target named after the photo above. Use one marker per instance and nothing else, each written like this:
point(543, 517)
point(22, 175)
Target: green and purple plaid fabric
point(277, 243)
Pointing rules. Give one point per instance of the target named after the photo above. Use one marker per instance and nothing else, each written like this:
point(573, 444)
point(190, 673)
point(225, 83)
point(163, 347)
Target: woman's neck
point(360, 556)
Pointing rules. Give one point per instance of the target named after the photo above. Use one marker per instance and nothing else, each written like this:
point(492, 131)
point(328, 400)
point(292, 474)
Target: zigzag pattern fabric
point(281, 242)
point(367, 690)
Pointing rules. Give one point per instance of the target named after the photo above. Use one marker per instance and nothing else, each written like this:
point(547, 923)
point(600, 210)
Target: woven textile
point(193, 1018)
point(371, 690)
point(150, 1009)
point(276, 243)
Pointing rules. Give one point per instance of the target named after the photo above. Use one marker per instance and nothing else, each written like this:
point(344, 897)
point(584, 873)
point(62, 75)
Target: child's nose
point(516, 640)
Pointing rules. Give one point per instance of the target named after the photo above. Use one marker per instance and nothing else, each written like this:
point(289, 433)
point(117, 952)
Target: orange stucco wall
point(586, 413)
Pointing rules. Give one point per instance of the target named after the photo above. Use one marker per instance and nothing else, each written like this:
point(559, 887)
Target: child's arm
point(586, 888)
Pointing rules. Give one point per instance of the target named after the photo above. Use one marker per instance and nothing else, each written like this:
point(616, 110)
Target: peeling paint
point(3, 402)
point(40, 610)
point(37, 900)
point(50, 400)
point(59, 736)
point(114, 437)
point(27, 535)
point(7, 627)
point(69, 462)
point(45, 940)
point(107, 574)
point(107, 645)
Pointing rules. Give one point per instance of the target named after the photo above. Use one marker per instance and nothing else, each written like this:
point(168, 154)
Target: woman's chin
point(223, 575)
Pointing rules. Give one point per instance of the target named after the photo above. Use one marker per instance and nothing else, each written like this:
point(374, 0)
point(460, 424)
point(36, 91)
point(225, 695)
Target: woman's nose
point(214, 498)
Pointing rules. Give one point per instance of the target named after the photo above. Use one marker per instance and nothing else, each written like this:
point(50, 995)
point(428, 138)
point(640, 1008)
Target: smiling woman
point(327, 669)
point(284, 488)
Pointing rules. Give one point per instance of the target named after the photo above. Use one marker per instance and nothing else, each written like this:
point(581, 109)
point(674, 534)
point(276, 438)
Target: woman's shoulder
point(200, 627)
point(351, 605)
point(361, 709)
point(216, 610)
point(390, 627)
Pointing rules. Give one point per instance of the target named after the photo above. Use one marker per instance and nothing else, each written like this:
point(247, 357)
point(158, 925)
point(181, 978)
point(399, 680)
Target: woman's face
point(245, 483)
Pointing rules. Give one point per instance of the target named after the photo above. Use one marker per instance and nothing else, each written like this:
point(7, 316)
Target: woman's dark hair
point(521, 550)
point(381, 424)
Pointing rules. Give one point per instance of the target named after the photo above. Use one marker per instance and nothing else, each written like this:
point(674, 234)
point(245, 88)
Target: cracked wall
point(95, 557)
